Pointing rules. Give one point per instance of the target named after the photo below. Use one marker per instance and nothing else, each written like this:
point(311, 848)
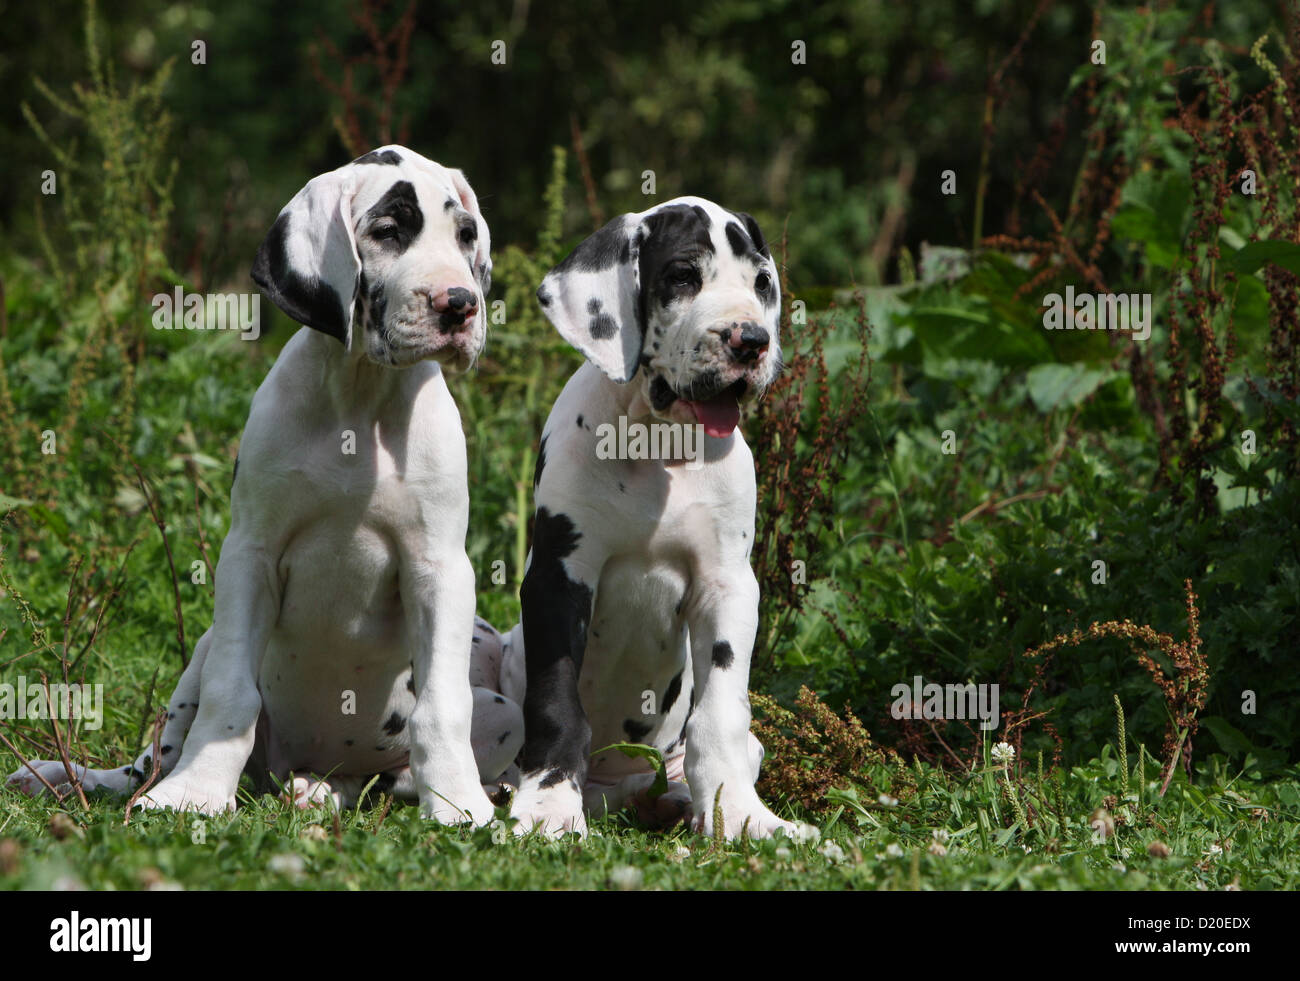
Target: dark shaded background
point(704, 94)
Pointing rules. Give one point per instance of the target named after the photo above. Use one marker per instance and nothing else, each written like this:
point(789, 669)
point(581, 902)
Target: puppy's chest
point(661, 513)
point(341, 569)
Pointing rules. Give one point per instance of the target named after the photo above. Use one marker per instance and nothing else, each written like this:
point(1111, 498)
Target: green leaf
point(954, 332)
point(56, 522)
point(1055, 386)
point(1254, 254)
point(8, 503)
point(641, 751)
point(1154, 212)
point(1231, 739)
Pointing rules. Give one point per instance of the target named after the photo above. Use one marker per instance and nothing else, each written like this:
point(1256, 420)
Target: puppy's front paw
point(468, 806)
point(185, 795)
point(741, 813)
point(554, 810)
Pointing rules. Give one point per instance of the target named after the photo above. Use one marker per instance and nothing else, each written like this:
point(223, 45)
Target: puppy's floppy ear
point(308, 264)
point(483, 252)
point(593, 298)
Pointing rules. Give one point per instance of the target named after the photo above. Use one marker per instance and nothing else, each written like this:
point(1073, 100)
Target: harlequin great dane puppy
point(639, 607)
point(341, 642)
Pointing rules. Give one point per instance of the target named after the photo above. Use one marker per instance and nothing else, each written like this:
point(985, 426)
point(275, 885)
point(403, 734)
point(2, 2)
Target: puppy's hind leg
point(497, 731)
point(181, 710)
point(485, 656)
point(496, 734)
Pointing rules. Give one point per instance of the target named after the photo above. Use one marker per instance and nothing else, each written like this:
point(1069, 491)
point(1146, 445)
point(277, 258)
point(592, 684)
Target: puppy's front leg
point(222, 734)
point(557, 598)
point(719, 762)
point(438, 596)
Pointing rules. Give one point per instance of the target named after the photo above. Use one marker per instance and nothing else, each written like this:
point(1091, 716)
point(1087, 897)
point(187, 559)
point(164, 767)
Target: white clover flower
point(287, 863)
point(940, 835)
point(1003, 753)
point(783, 854)
point(831, 851)
point(626, 877)
point(894, 850)
point(681, 852)
point(803, 834)
point(887, 801)
point(938, 848)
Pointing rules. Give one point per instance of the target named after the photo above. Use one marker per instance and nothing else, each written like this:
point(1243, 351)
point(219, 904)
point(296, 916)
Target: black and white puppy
point(639, 607)
point(341, 642)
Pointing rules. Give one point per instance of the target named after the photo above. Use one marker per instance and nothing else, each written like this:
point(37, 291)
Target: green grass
point(1230, 832)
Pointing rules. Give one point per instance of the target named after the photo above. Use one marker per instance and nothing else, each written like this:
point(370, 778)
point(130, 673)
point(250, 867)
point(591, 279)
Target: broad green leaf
point(1254, 254)
point(8, 503)
point(1055, 386)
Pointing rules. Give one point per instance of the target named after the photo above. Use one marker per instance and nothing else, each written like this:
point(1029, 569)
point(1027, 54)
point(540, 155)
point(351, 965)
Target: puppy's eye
point(681, 274)
point(384, 230)
point(468, 235)
point(763, 282)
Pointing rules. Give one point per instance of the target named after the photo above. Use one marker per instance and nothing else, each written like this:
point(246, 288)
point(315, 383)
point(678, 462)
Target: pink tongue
point(718, 415)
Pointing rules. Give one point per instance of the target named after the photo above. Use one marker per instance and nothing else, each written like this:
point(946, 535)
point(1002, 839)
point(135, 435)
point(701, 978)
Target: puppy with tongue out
point(639, 607)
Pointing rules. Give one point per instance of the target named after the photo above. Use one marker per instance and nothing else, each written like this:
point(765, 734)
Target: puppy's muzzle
point(456, 308)
point(747, 341)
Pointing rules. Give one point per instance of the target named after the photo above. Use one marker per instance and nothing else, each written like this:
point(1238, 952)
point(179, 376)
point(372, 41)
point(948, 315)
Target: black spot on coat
point(597, 252)
point(395, 724)
point(541, 463)
point(670, 695)
point(722, 655)
point(755, 233)
point(401, 204)
point(390, 157)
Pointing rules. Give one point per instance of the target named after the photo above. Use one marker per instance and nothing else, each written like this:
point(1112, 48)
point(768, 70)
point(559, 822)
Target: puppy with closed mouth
point(639, 607)
point(340, 649)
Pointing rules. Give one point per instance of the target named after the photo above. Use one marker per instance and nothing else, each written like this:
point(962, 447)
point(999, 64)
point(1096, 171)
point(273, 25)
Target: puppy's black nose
point(748, 341)
point(458, 298)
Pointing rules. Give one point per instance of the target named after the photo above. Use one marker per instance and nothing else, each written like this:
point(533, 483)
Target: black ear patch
point(305, 298)
point(389, 157)
point(401, 204)
point(602, 325)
